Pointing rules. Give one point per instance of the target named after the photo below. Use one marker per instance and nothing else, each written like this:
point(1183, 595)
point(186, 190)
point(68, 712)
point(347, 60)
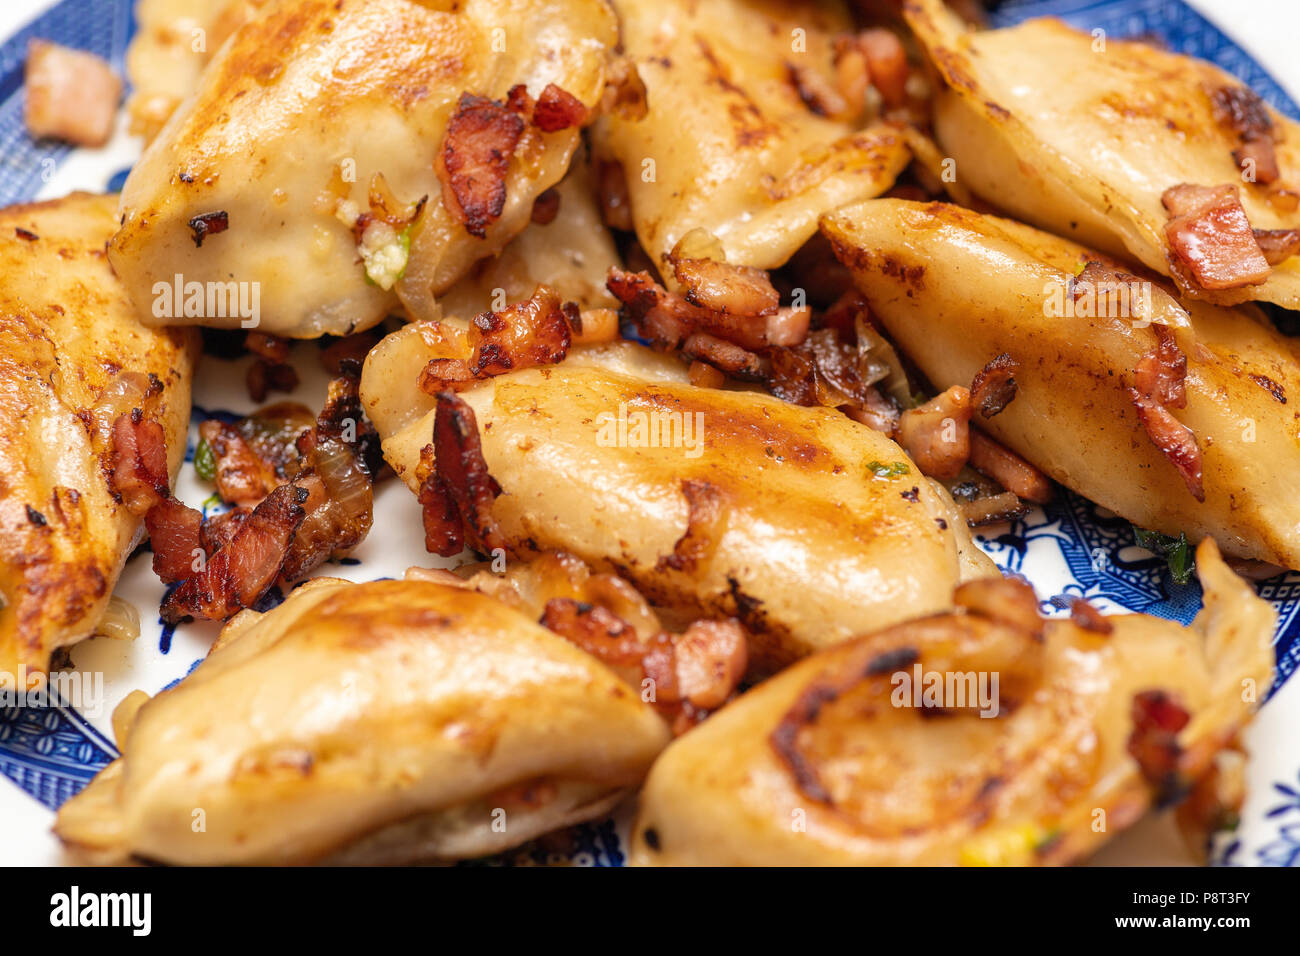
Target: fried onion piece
point(475, 156)
point(994, 386)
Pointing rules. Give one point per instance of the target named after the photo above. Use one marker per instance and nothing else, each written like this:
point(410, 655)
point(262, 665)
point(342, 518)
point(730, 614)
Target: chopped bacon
point(265, 377)
point(336, 356)
point(475, 157)
point(1174, 439)
point(1278, 245)
point(175, 537)
point(217, 530)
point(459, 481)
point(1008, 469)
point(1161, 373)
point(667, 318)
point(208, 224)
point(1240, 110)
point(788, 326)
point(72, 95)
point(241, 572)
point(242, 476)
point(877, 412)
point(994, 385)
point(936, 435)
point(1210, 237)
point(273, 348)
point(528, 333)
point(558, 109)
point(691, 673)
point(1157, 719)
point(139, 462)
point(705, 523)
point(887, 63)
point(817, 93)
point(704, 375)
point(546, 207)
point(729, 289)
point(723, 355)
point(1086, 616)
point(615, 204)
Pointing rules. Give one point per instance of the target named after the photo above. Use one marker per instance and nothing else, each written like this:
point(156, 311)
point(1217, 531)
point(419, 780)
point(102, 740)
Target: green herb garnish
point(205, 462)
point(882, 469)
point(1176, 552)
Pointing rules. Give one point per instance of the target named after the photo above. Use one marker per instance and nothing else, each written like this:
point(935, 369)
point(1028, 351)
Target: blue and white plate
point(1071, 547)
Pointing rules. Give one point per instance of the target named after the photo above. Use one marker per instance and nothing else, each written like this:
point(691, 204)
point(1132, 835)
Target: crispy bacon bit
point(787, 327)
point(706, 522)
point(1240, 110)
point(1157, 719)
point(816, 92)
point(936, 435)
point(208, 224)
point(1161, 374)
point(475, 157)
point(265, 377)
point(273, 348)
point(241, 572)
point(994, 385)
point(1277, 245)
point(459, 481)
point(25, 234)
point(691, 673)
point(887, 63)
point(139, 462)
point(217, 530)
point(1008, 469)
point(723, 355)
point(704, 375)
point(175, 537)
point(1270, 386)
point(1174, 439)
point(256, 453)
point(1210, 237)
point(546, 207)
point(729, 289)
point(1009, 601)
point(528, 333)
point(615, 204)
point(1086, 616)
point(71, 95)
point(518, 101)
point(667, 318)
point(336, 356)
point(558, 109)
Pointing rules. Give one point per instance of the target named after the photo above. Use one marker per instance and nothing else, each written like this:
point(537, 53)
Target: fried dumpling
point(1040, 740)
point(342, 157)
point(1176, 420)
point(727, 144)
point(385, 722)
point(801, 523)
point(1092, 138)
point(73, 359)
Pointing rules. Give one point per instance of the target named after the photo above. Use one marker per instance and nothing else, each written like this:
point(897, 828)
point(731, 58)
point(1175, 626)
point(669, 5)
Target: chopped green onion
point(1177, 552)
point(205, 462)
point(888, 470)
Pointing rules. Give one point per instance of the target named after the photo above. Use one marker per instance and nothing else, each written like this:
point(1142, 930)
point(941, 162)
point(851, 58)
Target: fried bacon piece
point(335, 356)
point(241, 572)
point(729, 289)
point(71, 95)
point(175, 535)
point(265, 377)
point(1278, 245)
point(139, 462)
point(706, 522)
point(1174, 439)
point(667, 318)
point(546, 207)
point(887, 63)
point(818, 94)
point(475, 157)
point(1210, 238)
point(936, 435)
point(1088, 617)
point(690, 674)
point(558, 109)
point(1157, 719)
point(1008, 469)
point(723, 355)
point(994, 386)
point(456, 494)
point(1240, 110)
point(535, 331)
point(615, 203)
point(1161, 373)
point(256, 453)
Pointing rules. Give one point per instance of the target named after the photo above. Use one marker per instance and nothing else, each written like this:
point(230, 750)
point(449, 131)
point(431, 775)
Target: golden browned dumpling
point(983, 736)
point(386, 722)
point(805, 525)
point(727, 143)
point(73, 358)
point(1179, 420)
point(342, 157)
point(1091, 137)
